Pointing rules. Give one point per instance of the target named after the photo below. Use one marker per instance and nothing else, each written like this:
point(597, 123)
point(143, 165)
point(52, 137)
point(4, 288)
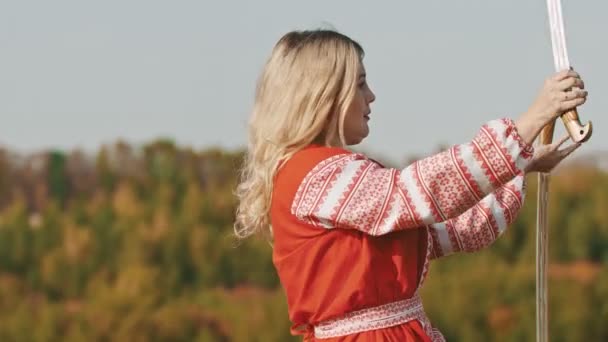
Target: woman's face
point(357, 116)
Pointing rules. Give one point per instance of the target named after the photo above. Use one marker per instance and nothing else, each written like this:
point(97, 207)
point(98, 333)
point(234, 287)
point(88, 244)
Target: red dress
point(352, 239)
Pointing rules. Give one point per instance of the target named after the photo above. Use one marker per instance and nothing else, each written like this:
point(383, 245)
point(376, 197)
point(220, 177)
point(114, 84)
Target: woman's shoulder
point(320, 152)
point(313, 155)
point(307, 159)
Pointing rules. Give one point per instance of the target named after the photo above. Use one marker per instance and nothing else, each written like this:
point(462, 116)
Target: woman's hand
point(560, 93)
point(547, 157)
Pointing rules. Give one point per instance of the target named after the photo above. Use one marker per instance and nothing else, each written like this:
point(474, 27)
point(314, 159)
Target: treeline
point(135, 244)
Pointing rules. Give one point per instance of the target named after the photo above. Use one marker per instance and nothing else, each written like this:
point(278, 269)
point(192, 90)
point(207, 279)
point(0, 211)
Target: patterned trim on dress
point(379, 317)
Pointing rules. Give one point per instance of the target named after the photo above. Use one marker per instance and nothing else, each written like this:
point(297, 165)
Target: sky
point(79, 74)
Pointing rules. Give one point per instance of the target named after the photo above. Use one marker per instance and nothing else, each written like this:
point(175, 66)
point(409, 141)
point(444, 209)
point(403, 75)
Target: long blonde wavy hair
point(301, 98)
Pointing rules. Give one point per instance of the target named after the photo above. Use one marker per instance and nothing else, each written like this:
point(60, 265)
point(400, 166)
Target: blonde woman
point(352, 239)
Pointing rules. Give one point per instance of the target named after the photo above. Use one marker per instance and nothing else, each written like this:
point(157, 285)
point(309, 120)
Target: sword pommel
point(578, 133)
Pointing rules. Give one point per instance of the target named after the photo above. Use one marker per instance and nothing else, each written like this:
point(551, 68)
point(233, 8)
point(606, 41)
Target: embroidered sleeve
point(351, 191)
point(480, 226)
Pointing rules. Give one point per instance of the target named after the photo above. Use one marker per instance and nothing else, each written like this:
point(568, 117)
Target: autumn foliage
point(135, 244)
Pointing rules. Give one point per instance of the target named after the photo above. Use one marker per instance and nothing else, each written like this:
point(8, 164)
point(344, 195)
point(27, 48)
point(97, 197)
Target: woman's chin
point(357, 140)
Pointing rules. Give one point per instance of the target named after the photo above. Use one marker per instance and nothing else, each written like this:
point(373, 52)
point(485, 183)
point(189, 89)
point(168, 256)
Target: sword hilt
point(578, 133)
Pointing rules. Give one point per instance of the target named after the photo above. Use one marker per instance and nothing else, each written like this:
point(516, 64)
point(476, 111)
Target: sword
point(578, 133)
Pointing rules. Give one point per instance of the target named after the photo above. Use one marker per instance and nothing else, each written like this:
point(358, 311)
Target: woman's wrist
point(528, 127)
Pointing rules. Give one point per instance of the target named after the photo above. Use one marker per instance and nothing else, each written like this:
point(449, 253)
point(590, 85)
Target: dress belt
point(378, 317)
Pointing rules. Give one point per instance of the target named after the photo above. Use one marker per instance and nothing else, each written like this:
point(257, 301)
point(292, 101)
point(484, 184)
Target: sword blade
point(562, 62)
point(558, 36)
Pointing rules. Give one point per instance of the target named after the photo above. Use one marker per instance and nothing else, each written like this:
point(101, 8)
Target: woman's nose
point(371, 96)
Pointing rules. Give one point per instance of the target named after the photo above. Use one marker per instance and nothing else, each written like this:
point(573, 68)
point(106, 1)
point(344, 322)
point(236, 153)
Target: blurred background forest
point(134, 244)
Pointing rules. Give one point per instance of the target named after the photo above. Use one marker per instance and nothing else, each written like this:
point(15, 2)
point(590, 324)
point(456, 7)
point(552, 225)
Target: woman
point(352, 239)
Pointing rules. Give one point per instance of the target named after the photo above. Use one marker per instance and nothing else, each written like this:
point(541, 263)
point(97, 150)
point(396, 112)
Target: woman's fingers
point(559, 76)
point(570, 82)
point(574, 93)
point(566, 91)
point(561, 141)
point(570, 104)
point(568, 150)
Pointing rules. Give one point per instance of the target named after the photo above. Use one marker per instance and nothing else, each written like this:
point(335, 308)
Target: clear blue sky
point(83, 73)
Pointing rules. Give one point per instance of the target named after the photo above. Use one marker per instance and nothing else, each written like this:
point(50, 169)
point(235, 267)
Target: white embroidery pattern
point(379, 317)
point(481, 225)
point(351, 191)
